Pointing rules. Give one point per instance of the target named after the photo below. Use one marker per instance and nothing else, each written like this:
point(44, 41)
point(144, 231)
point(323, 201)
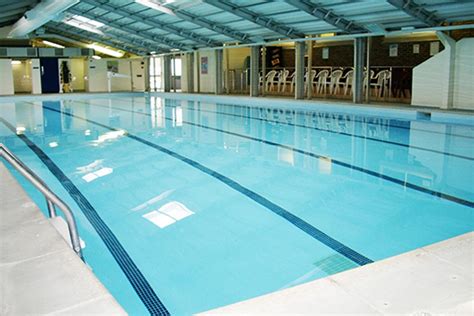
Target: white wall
point(464, 75)
point(97, 75)
point(184, 72)
point(35, 76)
point(123, 80)
point(22, 77)
point(431, 78)
point(77, 72)
point(138, 74)
point(235, 57)
point(6, 76)
point(207, 81)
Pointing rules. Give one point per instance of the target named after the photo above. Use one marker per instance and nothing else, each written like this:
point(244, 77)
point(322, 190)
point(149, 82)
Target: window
point(155, 74)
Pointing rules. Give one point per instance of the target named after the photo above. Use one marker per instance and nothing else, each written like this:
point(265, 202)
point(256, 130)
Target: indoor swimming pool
point(186, 205)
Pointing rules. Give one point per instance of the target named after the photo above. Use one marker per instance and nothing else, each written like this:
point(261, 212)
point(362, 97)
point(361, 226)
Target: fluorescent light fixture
point(156, 6)
point(87, 132)
point(52, 44)
point(83, 19)
point(106, 51)
point(20, 130)
point(84, 23)
point(83, 27)
point(153, 52)
point(53, 144)
point(16, 62)
point(96, 57)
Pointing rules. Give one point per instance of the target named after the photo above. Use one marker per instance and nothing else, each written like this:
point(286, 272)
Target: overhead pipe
point(41, 14)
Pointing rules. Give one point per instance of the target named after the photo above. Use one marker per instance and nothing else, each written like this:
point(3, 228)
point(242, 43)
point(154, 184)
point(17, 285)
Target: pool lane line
point(139, 283)
point(439, 194)
point(276, 209)
point(319, 129)
point(313, 113)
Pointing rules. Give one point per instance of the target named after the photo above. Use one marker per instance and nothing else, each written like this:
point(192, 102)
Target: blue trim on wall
point(139, 283)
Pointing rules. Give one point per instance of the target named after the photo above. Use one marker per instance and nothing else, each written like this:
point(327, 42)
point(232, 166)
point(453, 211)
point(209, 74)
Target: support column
point(309, 84)
point(367, 64)
point(190, 71)
point(167, 73)
point(197, 72)
point(299, 69)
point(219, 71)
point(359, 60)
point(264, 69)
point(254, 63)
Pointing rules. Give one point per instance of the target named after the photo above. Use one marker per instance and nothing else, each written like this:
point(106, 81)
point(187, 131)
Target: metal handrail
point(51, 198)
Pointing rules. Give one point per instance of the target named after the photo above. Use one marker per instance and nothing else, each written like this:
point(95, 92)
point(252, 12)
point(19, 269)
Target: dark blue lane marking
point(441, 195)
point(313, 114)
point(319, 129)
point(141, 286)
point(278, 210)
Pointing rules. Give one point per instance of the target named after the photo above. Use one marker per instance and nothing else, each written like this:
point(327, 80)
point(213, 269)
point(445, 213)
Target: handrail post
point(51, 198)
point(51, 209)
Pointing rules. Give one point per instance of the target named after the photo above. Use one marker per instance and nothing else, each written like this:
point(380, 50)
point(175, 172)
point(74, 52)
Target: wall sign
point(416, 48)
point(393, 50)
point(325, 53)
point(204, 65)
point(434, 48)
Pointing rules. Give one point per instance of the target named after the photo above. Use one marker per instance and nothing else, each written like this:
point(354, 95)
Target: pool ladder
point(52, 199)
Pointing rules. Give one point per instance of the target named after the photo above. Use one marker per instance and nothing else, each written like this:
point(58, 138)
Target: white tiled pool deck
point(434, 280)
point(39, 272)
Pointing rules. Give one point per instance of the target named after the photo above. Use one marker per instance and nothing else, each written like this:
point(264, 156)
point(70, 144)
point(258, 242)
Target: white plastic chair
point(335, 81)
point(321, 81)
point(381, 87)
point(282, 79)
point(306, 82)
point(269, 80)
point(349, 77)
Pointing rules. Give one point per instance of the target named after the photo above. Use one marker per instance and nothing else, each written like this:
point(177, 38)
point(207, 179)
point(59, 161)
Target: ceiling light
point(155, 5)
point(52, 44)
point(16, 62)
point(53, 144)
point(84, 23)
point(96, 57)
point(106, 51)
point(88, 21)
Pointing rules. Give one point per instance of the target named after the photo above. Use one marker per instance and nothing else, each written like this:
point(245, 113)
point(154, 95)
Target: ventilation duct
point(41, 14)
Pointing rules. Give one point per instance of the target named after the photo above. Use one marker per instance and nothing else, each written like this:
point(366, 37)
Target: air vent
point(31, 52)
point(3, 52)
point(58, 52)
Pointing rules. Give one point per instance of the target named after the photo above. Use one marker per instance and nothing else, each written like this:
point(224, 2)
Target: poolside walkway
point(432, 280)
point(39, 272)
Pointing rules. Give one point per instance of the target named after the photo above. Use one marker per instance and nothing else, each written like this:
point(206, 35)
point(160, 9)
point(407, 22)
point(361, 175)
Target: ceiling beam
point(205, 23)
point(89, 37)
point(255, 18)
point(327, 16)
point(124, 28)
point(137, 17)
point(417, 11)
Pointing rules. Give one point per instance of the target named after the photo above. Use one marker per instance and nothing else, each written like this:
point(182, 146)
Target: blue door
point(49, 75)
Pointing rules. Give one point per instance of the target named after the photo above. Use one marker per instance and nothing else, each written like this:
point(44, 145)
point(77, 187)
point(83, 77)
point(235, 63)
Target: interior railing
point(52, 199)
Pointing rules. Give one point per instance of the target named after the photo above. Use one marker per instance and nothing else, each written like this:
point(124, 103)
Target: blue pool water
point(186, 205)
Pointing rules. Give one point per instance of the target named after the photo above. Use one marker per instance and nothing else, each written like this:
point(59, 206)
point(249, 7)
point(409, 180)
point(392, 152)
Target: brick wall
point(343, 55)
